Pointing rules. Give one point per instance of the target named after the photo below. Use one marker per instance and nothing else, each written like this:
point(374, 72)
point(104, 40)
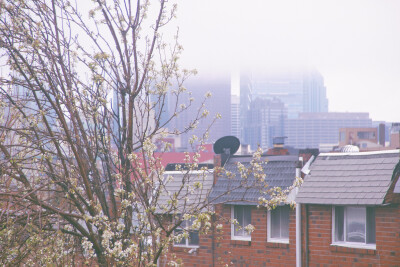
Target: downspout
point(213, 240)
point(306, 234)
point(298, 235)
point(298, 222)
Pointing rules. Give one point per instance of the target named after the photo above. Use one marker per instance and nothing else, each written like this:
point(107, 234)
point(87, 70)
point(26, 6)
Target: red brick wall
point(202, 256)
point(321, 253)
point(257, 252)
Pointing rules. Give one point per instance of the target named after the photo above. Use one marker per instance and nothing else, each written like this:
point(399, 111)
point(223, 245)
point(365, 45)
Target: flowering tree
point(81, 103)
point(83, 91)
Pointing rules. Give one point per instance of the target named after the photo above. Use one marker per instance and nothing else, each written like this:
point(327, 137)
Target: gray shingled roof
point(280, 172)
point(349, 179)
point(183, 185)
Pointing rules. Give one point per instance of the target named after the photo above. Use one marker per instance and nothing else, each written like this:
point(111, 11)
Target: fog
point(354, 44)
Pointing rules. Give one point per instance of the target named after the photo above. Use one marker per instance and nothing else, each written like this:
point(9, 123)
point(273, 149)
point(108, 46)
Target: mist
point(354, 44)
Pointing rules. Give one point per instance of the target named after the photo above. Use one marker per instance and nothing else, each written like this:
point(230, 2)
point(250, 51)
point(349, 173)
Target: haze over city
point(353, 44)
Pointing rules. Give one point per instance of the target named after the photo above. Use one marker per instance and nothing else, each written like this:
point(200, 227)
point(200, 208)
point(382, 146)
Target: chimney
point(299, 165)
point(382, 134)
point(217, 167)
point(307, 153)
point(278, 148)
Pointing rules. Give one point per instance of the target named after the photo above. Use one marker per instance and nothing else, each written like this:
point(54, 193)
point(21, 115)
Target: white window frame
point(187, 223)
point(239, 237)
point(345, 243)
point(269, 230)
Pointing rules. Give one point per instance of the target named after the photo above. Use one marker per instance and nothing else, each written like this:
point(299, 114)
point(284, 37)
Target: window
point(278, 224)
point(342, 136)
point(354, 225)
point(366, 135)
point(192, 239)
point(242, 214)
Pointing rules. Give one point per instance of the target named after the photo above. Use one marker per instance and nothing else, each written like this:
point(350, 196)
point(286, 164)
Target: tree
point(73, 165)
point(81, 105)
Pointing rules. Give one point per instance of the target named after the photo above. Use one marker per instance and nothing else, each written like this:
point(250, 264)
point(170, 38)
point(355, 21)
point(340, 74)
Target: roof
point(180, 157)
point(189, 189)
point(280, 172)
point(349, 178)
point(184, 166)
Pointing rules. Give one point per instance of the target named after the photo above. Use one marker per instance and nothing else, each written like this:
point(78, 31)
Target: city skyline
point(354, 44)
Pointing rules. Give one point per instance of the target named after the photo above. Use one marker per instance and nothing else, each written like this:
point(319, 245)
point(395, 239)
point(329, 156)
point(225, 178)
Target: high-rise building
point(310, 130)
point(295, 91)
point(300, 91)
point(265, 120)
point(220, 103)
point(235, 116)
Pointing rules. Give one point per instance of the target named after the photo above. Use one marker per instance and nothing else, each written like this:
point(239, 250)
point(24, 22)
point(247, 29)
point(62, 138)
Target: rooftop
point(349, 178)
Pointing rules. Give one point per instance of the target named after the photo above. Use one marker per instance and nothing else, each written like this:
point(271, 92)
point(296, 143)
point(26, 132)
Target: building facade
point(235, 116)
point(347, 214)
point(310, 130)
point(300, 90)
point(265, 120)
point(218, 103)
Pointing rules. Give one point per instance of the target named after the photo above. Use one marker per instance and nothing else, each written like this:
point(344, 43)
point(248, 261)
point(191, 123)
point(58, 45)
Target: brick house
point(273, 242)
point(347, 214)
point(350, 211)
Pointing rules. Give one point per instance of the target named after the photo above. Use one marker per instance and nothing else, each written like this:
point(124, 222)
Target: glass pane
point(178, 232)
point(355, 224)
point(371, 226)
point(275, 223)
point(339, 223)
point(238, 215)
point(285, 221)
point(193, 238)
point(246, 219)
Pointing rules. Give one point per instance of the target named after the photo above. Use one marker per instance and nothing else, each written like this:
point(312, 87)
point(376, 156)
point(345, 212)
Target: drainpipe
point(213, 239)
point(306, 234)
point(298, 235)
point(298, 221)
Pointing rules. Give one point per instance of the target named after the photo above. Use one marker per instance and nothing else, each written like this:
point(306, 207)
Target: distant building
point(300, 91)
point(361, 137)
point(310, 130)
point(395, 135)
point(220, 102)
point(265, 120)
point(383, 131)
point(235, 116)
point(296, 91)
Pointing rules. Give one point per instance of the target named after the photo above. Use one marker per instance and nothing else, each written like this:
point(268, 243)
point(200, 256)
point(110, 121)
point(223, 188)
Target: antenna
point(228, 145)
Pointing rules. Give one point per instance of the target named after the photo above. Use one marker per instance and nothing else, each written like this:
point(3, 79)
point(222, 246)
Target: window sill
point(184, 246)
point(273, 244)
point(278, 240)
point(238, 238)
point(353, 248)
point(186, 249)
point(241, 242)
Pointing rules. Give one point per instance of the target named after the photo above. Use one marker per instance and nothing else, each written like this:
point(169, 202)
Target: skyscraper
point(269, 98)
point(265, 120)
point(235, 116)
point(300, 91)
point(220, 102)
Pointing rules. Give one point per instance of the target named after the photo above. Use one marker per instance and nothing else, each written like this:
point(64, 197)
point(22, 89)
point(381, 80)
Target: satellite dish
point(226, 145)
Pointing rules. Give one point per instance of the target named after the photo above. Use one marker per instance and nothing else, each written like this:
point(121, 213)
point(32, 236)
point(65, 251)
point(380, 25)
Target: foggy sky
point(355, 44)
